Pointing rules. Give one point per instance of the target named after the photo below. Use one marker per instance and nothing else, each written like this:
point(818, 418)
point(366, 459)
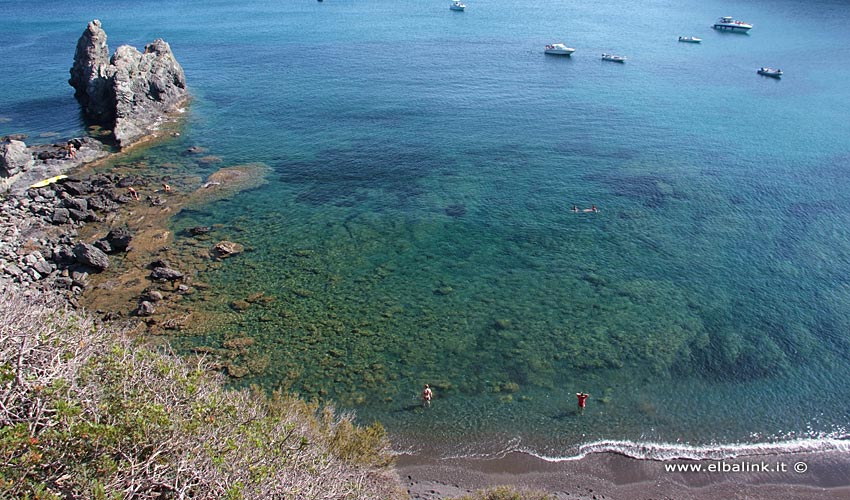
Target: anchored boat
point(726, 23)
point(558, 49)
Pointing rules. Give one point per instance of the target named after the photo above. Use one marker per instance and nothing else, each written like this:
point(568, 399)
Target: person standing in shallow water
point(582, 400)
point(426, 396)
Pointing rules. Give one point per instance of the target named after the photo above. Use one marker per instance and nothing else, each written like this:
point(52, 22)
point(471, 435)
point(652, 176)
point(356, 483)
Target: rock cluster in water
point(132, 92)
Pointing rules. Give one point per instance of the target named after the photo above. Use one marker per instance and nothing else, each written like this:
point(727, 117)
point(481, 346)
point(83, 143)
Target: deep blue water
point(416, 224)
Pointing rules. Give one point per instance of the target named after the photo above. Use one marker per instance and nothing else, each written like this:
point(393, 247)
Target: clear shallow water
point(416, 226)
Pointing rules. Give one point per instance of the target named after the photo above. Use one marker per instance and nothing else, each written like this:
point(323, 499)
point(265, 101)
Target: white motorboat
point(690, 39)
point(457, 5)
point(559, 49)
point(612, 57)
point(726, 23)
point(774, 72)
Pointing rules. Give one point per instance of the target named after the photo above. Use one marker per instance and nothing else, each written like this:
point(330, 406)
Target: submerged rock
point(224, 249)
point(131, 92)
point(166, 274)
point(456, 210)
point(119, 239)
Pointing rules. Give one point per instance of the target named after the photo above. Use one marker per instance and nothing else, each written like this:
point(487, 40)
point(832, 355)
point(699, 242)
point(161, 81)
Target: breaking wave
point(673, 451)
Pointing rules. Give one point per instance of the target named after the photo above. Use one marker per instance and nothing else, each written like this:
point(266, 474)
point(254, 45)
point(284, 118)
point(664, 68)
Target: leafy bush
point(87, 413)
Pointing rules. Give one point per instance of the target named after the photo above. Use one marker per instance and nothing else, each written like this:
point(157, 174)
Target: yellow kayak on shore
point(47, 182)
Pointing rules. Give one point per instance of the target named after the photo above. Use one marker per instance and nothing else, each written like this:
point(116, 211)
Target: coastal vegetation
point(86, 412)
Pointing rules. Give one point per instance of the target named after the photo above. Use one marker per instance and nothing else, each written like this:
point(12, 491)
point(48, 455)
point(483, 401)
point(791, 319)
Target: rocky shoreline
point(101, 240)
point(133, 95)
point(40, 243)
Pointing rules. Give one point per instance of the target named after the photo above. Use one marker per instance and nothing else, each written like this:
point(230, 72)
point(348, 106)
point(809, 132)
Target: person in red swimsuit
point(426, 396)
point(582, 399)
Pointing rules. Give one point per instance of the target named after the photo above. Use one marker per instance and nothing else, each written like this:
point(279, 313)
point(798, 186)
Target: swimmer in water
point(426, 396)
point(582, 400)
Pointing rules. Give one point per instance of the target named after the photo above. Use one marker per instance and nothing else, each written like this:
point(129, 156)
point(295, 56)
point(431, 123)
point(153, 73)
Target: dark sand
point(612, 476)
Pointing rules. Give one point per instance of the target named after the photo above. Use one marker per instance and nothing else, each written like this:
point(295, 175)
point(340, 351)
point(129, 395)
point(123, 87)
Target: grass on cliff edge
point(86, 413)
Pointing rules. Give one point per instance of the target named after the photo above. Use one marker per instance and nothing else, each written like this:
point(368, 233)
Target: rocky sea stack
point(130, 93)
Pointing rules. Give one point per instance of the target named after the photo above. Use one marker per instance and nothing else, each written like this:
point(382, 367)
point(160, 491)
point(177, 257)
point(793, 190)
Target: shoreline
point(613, 476)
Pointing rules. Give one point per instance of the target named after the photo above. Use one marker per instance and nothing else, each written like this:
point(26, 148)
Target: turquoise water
point(416, 225)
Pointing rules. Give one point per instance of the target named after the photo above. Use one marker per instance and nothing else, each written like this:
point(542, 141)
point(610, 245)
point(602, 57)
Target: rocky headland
point(130, 93)
point(99, 236)
point(41, 245)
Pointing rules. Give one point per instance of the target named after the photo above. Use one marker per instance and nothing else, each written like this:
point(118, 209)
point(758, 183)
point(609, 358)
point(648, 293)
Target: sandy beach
point(612, 476)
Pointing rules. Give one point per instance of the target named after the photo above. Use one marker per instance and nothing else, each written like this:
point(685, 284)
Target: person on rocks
point(133, 193)
point(72, 151)
point(166, 187)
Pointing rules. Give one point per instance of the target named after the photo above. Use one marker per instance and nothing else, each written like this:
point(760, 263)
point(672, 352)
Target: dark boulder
point(100, 203)
point(63, 254)
point(80, 204)
point(89, 255)
point(128, 181)
point(77, 188)
point(119, 239)
point(103, 246)
point(199, 230)
point(60, 216)
point(46, 152)
point(83, 215)
point(159, 263)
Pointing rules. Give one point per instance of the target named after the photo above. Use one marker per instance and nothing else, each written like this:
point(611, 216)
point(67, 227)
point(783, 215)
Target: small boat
point(559, 49)
point(774, 72)
point(726, 23)
point(690, 39)
point(457, 5)
point(612, 57)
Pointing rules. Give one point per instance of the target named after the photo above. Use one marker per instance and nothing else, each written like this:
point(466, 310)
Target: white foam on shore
point(674, 451)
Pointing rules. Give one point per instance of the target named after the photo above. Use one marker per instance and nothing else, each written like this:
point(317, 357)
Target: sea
point(416, 225)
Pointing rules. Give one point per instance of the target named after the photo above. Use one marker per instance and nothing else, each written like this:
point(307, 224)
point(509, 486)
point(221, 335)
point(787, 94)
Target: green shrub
point(87, 413)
